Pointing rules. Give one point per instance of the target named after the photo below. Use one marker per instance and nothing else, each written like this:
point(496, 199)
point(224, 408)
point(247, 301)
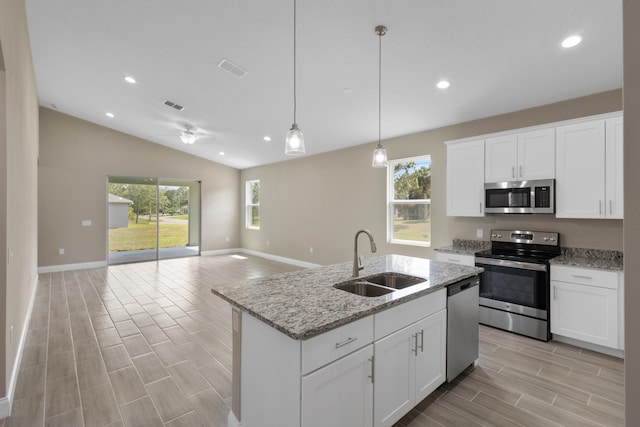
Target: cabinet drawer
point(456, 258)
point(327, 347)
point(585, 276)
point(398, 317)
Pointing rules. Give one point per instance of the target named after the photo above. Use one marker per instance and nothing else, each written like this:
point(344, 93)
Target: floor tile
point(188, 420)
point(150, 368)
point(210, 407)
point(188, 378)
point(168, 353)
point(99, 406)
point(61, 395)
point(116, 358)
point(108, 337)
point(72, 418)
point(141, 413)
point(136, 345)
point(92, 372)
point(168, 398)
point(127, 385)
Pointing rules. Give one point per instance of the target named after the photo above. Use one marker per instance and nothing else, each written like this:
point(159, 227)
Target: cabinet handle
point(610, 207)
point(415, 342)
point(513, 171)
point(345, 342)
point(600, 203)
point(421, 340)
point(453, 260)
point(520, 171)
point(555, 292)
point(480, 207)
point(581, 277)
point(372, 360)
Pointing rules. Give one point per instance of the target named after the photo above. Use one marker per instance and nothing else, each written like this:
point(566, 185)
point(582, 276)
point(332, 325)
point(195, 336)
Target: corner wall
point(321, 201)
point(20, 199)
point(75, 159)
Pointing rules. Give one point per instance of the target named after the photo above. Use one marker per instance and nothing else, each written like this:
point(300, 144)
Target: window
point(252, 194)
point(409, 201)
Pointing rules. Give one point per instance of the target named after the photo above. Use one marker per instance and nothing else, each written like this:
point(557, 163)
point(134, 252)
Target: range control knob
point(545, 238)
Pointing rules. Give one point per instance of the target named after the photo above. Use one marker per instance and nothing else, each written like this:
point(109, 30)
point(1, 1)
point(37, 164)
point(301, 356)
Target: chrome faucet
point(357, 262)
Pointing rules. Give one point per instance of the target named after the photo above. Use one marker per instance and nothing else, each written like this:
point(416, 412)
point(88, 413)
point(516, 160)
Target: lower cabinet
point(341, 393)
point(409, 365)
point(585, 305)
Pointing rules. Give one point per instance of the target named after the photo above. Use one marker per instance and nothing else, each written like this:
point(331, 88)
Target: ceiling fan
point(188, 134)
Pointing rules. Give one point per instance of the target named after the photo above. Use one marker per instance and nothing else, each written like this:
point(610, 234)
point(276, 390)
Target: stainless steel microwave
point(520, 197)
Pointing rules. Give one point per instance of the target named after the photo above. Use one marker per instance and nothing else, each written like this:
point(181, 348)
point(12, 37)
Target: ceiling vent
point(173, 105)
point(234, 69)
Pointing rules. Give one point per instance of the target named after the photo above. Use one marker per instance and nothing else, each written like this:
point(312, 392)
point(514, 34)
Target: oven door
point(514, 286)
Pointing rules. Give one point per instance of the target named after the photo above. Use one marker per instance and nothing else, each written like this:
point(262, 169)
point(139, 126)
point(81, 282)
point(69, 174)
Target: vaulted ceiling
point(498, 55)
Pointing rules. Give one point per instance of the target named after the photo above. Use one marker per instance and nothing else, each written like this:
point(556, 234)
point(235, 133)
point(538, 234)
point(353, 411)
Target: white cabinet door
point(465, 178)
point(394, 376)
point(431, 360)
point(614, 168)
point(536, 155)
point(580, 170)
point(341, 393)
point(586, 313)
point(409, 365)
point(501, 156)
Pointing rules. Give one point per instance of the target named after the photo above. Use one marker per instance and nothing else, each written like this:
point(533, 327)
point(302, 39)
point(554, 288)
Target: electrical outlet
point(310, 249)
point(479, 233)
point(267, 243)
point(227, 239)
point(86, 223)
point(61, 251)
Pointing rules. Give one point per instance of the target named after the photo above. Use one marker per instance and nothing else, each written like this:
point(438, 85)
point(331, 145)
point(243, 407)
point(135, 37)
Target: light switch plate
point(86, 223)
point(479, 233)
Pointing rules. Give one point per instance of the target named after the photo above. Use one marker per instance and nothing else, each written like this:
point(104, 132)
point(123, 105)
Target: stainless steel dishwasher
point(462, 325)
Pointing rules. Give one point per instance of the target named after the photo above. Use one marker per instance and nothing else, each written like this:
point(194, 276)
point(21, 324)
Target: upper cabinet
point(520, 157)
point(465, 178)
point(589, 169)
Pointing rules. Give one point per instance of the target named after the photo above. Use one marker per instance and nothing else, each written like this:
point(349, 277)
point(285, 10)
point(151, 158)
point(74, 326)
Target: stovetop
point(526, 246)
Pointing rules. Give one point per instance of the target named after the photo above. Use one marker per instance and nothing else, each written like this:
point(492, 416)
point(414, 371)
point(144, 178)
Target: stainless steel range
point(514, 288)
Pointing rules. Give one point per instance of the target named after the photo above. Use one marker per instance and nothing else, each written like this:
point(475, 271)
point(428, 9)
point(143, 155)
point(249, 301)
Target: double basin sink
point(378, 284)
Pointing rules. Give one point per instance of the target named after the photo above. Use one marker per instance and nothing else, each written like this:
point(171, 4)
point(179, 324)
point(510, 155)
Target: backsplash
point(472, 244)
point(602, 254)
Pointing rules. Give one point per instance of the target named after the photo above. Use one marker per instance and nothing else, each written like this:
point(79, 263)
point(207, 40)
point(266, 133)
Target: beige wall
point(75, 159)
point(631, 13)
point(18, 165)
point(321, 201)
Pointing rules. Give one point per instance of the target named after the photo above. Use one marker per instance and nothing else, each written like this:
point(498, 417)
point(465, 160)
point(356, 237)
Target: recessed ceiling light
point(571, 41)
point(221, 153)
point(267, 138)
point(443, 84)
point(129, 79)
point(110, 115)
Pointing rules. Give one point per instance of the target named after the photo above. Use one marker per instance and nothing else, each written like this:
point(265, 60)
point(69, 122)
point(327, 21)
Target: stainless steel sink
point(394, 280)
point(379, 284)
point(364, 289)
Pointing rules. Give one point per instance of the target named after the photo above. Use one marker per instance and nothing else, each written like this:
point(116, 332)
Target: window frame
point(391, 202)
point(249, 205)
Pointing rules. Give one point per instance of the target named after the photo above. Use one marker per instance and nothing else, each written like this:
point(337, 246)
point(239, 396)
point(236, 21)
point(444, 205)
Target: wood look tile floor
point(148, 345)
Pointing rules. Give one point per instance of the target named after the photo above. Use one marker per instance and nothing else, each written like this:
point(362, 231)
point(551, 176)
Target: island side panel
point(270, 376)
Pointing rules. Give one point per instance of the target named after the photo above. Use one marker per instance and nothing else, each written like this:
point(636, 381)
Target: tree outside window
point(409, 196)
point(252, 194)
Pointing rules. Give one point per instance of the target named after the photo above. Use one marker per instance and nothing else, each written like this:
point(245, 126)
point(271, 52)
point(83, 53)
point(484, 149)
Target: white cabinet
point(585, 305)
point(456, 258)
point(465, 178)
point(410, 361)
point(341, 393)
point(589, 169)
point(614, 168)
point(519, 157)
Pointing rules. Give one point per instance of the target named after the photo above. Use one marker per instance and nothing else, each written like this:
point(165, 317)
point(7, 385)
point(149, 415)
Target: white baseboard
point(6, 402)
point(589, 346)
point(69, 267)
point(277, 258)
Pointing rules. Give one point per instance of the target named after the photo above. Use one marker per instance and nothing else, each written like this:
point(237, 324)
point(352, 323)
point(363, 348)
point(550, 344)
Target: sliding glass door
point(152, 218)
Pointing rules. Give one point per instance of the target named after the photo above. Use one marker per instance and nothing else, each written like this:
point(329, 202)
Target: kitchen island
point(306, 353)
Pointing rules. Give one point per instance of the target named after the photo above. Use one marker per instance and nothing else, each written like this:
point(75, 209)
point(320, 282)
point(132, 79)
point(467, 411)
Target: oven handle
point(508, 263)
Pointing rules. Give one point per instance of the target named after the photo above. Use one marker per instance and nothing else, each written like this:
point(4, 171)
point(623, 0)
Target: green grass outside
point(143, 236)
point(412, 230)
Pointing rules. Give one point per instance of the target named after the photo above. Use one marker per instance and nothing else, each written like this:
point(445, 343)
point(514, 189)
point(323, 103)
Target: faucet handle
point(360, 267)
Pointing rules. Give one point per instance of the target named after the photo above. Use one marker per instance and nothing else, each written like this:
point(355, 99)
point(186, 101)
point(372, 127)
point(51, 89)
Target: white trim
point(69, 267)
point(589, 346)
point(6, 402)
point(277, 258)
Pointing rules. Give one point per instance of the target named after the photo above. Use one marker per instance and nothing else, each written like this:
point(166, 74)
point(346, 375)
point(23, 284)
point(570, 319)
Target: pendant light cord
point(294, 61)
point(380, 34)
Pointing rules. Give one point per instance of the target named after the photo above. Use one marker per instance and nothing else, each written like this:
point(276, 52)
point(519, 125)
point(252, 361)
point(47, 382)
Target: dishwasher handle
point(462, 286)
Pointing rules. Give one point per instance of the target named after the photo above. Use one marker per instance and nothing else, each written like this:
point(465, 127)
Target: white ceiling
point(500, 56)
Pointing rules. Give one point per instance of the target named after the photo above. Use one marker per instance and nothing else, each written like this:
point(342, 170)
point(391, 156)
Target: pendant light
point(294, 143)
point(379, 154)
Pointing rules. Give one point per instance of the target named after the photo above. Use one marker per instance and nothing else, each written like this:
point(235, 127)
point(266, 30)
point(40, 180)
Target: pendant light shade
point(294, 143)
point(379, 154)
point(188, 137)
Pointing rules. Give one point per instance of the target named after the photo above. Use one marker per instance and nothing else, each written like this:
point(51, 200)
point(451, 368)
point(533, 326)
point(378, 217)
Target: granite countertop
point(465, 247)
point(590, 258)
point(303, 304)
